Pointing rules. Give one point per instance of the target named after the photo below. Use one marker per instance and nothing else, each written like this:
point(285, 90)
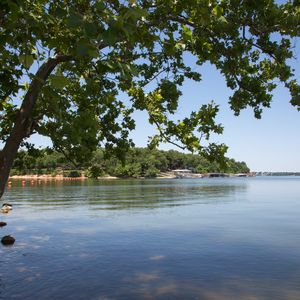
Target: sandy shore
point(165, 175)
point(57, 177)
point(41, 177)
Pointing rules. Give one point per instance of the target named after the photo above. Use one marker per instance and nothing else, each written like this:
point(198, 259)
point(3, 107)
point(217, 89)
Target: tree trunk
point(23, 123)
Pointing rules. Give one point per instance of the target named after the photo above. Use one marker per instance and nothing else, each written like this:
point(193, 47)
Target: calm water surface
point(234, 238)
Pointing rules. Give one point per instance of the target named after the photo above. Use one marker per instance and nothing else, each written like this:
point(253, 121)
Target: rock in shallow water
point(6, 207)
point(7, 240)
point(2, 224)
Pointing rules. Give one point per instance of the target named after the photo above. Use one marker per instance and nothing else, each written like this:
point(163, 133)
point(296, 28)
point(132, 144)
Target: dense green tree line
point(139, 162)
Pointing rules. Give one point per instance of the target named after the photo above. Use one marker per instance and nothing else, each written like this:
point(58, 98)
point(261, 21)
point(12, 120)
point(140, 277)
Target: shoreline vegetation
point(46, 164)
point(166, 175)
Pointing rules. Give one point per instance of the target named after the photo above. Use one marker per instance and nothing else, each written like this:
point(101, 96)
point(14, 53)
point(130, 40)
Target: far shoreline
point(60, 177)
point(164, 175)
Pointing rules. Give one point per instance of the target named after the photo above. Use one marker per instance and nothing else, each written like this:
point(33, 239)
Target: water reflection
point(175, 239)
point(158, 288)
point(126, 194)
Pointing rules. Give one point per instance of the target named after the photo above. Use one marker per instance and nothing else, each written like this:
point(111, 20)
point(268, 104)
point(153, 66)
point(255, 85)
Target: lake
point(218, 238)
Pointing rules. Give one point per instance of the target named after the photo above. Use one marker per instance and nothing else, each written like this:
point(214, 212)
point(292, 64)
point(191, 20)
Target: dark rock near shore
point(7, 240)
point(2, 224)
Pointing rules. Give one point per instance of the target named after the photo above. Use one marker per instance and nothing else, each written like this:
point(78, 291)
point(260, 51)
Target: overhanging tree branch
point(23, 121)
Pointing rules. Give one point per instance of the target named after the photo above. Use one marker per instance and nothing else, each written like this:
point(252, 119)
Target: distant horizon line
point(275, 172)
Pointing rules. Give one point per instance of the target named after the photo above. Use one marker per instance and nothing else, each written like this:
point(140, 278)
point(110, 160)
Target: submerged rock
point(2, 224)
point(6, 207)
point(7, 240)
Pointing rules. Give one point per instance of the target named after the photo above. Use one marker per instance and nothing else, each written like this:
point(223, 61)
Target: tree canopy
point(75, 71)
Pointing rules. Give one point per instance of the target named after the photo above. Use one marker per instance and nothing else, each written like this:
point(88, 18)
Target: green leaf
point(93, 52)
point(180, 45)
point(82, 49)
point(296, 100)
point(139, 12)
point(74, 20)
point(58, 81)
point(90, 29)
point(26, 60)
point(218, 11)
point(109, 37)
point(60, 12)
point(187, 33)
point(222, 19)
point(109, 65)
